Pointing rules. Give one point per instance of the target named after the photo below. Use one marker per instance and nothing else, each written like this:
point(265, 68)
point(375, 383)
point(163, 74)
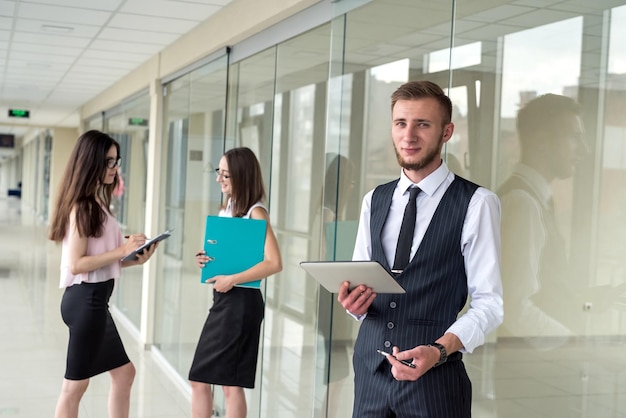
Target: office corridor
point(33, 336)
point(581, 378)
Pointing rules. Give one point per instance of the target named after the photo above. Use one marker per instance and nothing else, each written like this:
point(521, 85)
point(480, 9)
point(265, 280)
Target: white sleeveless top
point(228, 211)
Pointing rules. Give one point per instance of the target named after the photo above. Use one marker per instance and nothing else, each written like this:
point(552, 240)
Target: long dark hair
point(82, 188)
point(246, 180)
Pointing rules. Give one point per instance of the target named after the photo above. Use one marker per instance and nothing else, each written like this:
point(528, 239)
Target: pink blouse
point(111, 238)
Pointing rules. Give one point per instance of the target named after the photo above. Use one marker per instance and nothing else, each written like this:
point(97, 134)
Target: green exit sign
point(138, 122)
point(19, 113)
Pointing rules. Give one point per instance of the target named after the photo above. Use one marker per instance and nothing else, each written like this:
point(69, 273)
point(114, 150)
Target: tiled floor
point(33, 337)
point(511, 379)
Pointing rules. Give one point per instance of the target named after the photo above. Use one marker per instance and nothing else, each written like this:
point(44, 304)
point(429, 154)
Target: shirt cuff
point(355, 316)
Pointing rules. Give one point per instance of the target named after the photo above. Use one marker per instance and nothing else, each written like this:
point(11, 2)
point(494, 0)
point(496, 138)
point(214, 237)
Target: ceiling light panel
point(140, 48)
point(117, 72)
point(157, 38)
point(49, 39)
point(62, 14)
point(107, 5)
point(105, 63)
point(117, 56)
point(17, 95)
point(17, 56)
point(151, 23)
point(45, 49)
point(170, 9)
point(55, 28)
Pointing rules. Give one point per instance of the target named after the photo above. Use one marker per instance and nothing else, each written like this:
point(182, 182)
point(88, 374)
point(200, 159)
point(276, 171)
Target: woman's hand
point(146, 254)
point(222, 284)
point(202, 259)
point(133, 242)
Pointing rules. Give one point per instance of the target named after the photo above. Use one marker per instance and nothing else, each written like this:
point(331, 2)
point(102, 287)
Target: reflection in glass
point(535, 262)
point(253, 126)
point(195, 122)
point(462, 56)
point(128, 203)
point(617, 53)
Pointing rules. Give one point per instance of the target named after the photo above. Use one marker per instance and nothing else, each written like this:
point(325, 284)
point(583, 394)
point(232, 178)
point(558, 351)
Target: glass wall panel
point(302, 71)
point(168, 301)
point(386, 44)
point(280, 113)
point(194, 114)
point(42, 147)
point(564, 283)
point(547, 165)
point(128, 125)
point(47, 148)
point(610, 268)
point(250, 124)
point(94, 122)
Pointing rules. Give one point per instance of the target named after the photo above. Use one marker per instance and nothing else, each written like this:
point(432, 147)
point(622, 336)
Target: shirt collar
point(429, 184)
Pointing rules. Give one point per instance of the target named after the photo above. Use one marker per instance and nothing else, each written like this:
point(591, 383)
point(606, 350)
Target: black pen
point(406, 363)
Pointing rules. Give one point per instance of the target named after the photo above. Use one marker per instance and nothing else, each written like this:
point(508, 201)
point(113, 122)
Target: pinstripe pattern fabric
point(444, 392)
point(436, 287)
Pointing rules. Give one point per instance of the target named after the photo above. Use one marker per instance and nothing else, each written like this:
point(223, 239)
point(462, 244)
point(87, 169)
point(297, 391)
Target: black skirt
point(227, 352)
point(95, 345)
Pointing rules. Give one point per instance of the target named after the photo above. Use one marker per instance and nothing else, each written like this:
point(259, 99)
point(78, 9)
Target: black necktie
point(405, 239)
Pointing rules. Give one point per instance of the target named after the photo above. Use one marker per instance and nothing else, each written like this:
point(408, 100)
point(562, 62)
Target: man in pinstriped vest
point(454, 253)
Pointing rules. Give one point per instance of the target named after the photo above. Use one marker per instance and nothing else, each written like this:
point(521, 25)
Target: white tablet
point(133, 256)
point(331, 274)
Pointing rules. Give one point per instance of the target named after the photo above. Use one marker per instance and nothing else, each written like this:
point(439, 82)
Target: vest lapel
point(381, 203)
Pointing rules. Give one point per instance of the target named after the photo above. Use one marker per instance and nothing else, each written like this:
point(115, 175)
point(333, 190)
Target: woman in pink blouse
point(92, 246)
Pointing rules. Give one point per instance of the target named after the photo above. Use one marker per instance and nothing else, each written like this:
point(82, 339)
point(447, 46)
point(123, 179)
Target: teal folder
point(233, 245)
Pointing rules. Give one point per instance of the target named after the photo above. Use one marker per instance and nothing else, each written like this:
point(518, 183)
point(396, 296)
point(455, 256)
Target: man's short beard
point(420, 164)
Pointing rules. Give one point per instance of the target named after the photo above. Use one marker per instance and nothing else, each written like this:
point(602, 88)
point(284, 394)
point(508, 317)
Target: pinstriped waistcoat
point(435, 279)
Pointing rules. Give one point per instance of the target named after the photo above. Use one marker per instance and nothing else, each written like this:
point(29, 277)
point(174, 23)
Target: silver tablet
point(331, 274)
point(133, 256)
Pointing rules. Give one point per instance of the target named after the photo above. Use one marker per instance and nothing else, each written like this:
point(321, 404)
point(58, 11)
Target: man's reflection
point(539, 296)
point(333, 235)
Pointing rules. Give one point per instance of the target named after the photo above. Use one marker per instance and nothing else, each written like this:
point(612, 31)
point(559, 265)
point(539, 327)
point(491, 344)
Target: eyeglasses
point(221, 173)
point(114, 162)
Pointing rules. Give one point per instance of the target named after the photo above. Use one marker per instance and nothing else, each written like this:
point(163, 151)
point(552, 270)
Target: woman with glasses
point(92, 247)
point(227, 351)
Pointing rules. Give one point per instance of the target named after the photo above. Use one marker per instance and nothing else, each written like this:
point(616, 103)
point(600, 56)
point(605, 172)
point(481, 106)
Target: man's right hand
point(356, 301)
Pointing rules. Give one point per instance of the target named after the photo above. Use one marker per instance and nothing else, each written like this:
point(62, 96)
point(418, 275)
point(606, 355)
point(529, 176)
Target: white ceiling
point(56, 55)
